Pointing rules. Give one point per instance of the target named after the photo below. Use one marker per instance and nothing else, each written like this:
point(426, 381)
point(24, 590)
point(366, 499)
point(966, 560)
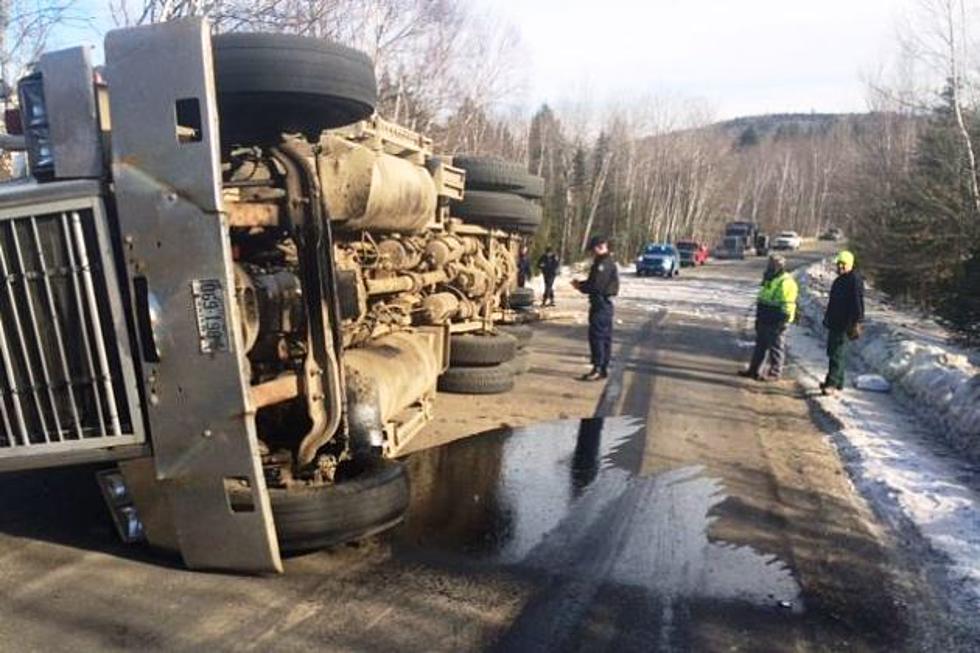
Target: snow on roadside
point(720, 300)
point(895, 462)
point(716, 299)
point(895, 459)
point(911, 353)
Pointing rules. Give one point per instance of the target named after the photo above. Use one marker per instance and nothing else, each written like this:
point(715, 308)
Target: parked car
point(787, 240)
point(833, 233)
point(692, 252)
point(658, 259)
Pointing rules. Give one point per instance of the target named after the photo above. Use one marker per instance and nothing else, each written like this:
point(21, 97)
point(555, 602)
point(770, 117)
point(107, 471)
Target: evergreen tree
point(748, 138)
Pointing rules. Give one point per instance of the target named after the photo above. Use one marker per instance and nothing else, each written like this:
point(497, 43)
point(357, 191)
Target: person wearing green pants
point(845, 312)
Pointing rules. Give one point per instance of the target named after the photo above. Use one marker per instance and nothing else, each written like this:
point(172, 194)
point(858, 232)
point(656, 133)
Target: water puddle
point(562, 498)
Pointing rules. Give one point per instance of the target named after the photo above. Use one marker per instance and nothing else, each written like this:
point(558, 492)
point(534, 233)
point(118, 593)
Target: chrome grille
point(66, 377)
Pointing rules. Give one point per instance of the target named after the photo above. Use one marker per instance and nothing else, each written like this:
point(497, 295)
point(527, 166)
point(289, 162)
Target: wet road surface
point(562, 503)
point(687, 510)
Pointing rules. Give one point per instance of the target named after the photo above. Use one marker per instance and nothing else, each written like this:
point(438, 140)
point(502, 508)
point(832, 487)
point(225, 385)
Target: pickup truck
point(692, 253)
point(787, 240)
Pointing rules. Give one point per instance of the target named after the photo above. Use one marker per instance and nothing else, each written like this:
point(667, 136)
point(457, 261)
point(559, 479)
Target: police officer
point(601, 286)
point(845, 312)
point(775, 309)
point(548, 264)
point(523, 267)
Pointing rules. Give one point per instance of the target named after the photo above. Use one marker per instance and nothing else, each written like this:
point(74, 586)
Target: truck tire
point(319, 516)
point(268, 84)
point(485, 173)
point(521, 332)
point(521, 363)
point(532, 188)
point(491, 208)
point(477, 380)
point(481, 350)
point(521, 298)
point(491, 173)
point(527, 229)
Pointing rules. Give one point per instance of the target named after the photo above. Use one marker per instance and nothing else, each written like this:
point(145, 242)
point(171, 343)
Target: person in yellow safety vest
point(775, 310)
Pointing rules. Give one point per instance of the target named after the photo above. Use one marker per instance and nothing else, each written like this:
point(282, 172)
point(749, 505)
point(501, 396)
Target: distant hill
point(786, 125)
point(750, 130)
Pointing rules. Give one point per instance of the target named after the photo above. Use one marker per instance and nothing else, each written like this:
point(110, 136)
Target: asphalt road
point(678, 507)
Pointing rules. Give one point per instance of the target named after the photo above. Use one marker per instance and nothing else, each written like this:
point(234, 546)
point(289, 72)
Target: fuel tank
point(368, 190)
point(386, 377)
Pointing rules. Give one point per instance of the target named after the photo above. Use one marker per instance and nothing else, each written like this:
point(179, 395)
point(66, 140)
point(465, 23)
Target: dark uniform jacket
point(846, 305)
point(603, 281)
point(523, 269)
point(548, 264)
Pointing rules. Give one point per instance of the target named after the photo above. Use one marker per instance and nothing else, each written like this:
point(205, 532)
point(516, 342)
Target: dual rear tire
point(499, 195)
point(478, 364)
point(482, 364)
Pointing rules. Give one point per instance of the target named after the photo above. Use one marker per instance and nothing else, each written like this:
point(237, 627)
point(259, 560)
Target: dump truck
point(232, 282)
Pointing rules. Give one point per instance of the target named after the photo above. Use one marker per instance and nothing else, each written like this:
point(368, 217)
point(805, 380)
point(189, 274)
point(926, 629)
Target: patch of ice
point(872, 383)
point(712, 299)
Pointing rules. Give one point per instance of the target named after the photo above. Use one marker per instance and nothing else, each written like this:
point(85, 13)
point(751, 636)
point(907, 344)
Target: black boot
point(594, 375)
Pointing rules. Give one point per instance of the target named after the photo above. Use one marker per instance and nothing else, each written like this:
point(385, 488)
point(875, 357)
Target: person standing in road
point(548, 264)
point(845, 312)
point(523, 267)
point(601, 286)
point(775, 310)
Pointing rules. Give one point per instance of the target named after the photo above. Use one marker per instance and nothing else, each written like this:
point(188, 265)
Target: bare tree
point(25, 27)
point(940, 37)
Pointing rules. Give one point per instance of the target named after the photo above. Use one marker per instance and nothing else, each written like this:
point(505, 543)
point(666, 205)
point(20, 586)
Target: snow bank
point(912, 481)
point(942, 381)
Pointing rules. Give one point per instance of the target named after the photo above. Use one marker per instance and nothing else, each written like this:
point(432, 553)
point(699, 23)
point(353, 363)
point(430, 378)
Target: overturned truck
point(228, 275)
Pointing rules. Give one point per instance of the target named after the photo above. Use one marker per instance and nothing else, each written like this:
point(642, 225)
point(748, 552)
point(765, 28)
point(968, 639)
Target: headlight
point(34, 116)
point(639, 259)
point(665, 263)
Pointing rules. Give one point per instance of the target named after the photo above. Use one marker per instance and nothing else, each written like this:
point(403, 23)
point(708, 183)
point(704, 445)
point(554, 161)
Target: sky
point(737, 57)
point(743, 57)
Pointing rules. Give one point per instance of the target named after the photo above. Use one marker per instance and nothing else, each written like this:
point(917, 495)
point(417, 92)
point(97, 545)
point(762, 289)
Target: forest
point(900, 179)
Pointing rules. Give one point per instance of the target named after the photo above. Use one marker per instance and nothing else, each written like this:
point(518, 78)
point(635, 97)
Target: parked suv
point(658, 259)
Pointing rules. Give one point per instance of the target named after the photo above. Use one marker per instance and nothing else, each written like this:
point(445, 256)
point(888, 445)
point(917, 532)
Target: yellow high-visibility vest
point(781, 291)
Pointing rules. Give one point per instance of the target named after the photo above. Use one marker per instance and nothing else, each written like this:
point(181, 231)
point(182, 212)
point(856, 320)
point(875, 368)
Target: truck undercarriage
point(249, 306)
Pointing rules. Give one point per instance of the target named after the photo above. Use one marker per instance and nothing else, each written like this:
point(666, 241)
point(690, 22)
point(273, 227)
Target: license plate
point(212, 323)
